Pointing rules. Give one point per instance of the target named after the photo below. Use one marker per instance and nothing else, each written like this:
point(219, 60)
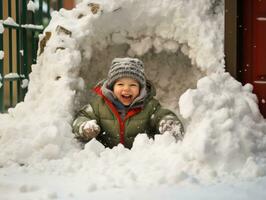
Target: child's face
point(126, 90)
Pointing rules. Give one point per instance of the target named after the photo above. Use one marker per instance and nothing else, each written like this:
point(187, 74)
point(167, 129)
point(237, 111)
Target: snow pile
point(41, 125)
point(225, 131)
point(225, 140)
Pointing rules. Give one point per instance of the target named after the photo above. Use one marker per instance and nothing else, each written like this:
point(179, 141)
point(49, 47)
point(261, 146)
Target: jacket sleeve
point(85, 114)
point(161, 117)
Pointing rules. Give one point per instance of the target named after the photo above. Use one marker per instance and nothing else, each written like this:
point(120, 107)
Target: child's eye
point(133, 85)
point(120, 84)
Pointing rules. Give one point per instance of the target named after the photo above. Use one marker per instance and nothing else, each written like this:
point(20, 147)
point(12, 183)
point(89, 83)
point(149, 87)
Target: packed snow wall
point(107, 30)
point(180, 42)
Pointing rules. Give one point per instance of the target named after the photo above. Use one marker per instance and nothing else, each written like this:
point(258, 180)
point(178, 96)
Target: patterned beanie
point(126, 67)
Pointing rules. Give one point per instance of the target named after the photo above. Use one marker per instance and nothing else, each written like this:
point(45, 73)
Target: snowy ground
point(223, 154)
point(68, 188)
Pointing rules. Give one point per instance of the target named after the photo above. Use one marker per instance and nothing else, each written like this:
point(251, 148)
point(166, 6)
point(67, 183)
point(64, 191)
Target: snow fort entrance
point(173, 60)
point(181, 44)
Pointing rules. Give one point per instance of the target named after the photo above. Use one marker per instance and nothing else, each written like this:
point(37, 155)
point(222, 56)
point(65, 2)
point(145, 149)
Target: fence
point(24, 21)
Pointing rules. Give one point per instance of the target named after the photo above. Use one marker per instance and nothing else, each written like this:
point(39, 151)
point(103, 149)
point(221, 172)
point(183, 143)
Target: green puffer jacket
point(114, 129)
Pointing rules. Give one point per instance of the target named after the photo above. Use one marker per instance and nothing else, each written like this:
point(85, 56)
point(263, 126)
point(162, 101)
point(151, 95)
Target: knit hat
point(126, 67)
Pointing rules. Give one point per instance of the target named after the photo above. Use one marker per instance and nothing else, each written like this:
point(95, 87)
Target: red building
point(245, 44)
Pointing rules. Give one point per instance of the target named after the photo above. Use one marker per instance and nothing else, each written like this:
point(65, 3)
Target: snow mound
point(225, 131)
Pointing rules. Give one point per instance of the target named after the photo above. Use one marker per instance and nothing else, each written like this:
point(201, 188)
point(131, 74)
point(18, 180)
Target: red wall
point(254, 48)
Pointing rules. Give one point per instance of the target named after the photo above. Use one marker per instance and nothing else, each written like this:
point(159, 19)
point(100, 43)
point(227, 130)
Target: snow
point(1, 27)
point(32, 6)
point(11, 75)
point(90, 124)
point(10, 21)
point(25, 83)
point(40, 27)
point(2, 54)
point(230, 124)
point(181, 43)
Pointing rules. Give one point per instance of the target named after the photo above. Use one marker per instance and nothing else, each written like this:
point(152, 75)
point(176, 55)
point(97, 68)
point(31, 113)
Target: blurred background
point(22, 22)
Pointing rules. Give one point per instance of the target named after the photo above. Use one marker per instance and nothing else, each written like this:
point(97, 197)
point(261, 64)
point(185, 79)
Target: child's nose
point(126, 87)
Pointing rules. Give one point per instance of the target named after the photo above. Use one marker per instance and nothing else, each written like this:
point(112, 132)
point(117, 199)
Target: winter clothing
point(126, 67)
point(121, 124)
point(171, 125)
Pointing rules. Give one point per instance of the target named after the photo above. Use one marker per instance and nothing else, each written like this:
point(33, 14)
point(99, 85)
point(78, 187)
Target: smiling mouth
point(127, 96)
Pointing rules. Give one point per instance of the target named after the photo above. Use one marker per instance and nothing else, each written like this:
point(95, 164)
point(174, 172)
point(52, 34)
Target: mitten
point(89, 129)
point(171, 125)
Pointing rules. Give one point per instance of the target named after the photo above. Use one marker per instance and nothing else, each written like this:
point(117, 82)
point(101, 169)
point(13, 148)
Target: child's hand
point(171, 126)
point(90, 129)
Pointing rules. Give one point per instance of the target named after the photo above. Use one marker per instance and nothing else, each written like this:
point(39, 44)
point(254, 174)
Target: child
point(123, 107)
